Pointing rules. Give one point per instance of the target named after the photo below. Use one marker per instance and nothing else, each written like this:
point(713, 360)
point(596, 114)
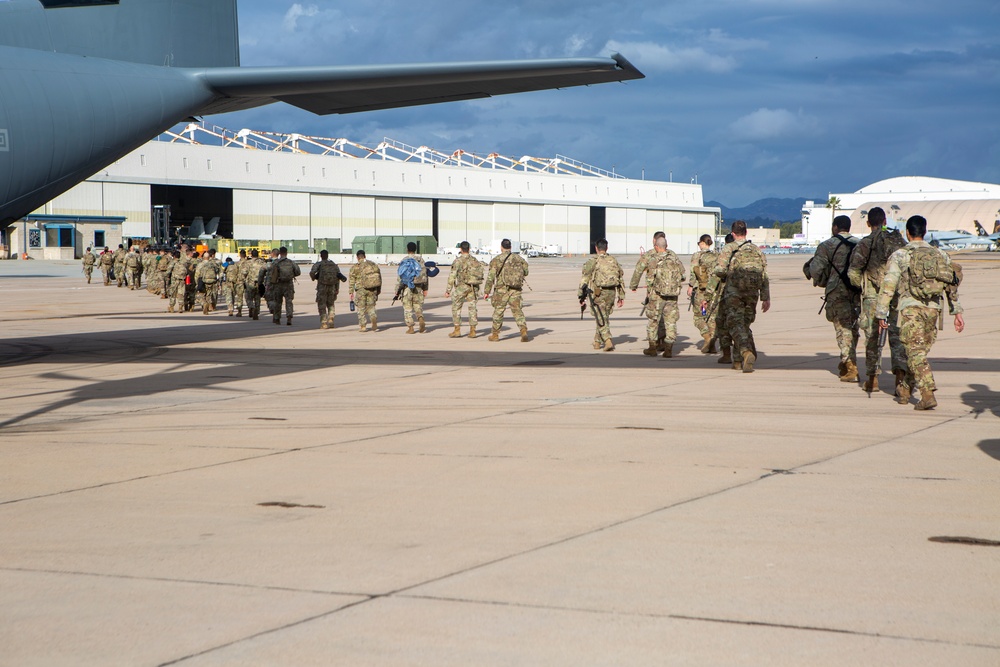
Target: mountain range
point(764, 212)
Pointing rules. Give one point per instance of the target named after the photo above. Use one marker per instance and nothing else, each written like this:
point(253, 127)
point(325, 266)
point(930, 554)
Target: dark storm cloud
point(758, 97)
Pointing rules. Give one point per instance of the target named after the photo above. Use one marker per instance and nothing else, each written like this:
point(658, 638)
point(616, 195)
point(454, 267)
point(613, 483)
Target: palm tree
point(834, 203)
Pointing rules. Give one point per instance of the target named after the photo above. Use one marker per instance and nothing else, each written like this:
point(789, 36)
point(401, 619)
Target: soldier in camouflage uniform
point(268, 291)
point(232, 285)
point(645, 265)
point(326, 274)
point(828, 269)
point(133, 265)
point(507, 272)
point(89, 259)
point(918, 316)
point(703, 264)
point(208, 273)
point(164, 267)
point(743, 269)
point(602, 277)
point(413, 299)
point(866, 272)
point(365, 284)
point(464, 279)
point(665, 277)
point(119, 260)
point(283, 273)
point(106, 261)
point(149, 269)
point(251, 276)
point(178, 286)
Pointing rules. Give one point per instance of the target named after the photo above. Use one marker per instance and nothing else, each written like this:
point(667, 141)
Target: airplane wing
point(338, 90)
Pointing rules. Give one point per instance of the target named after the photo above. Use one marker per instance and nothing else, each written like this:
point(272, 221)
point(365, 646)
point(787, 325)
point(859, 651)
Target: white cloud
point(768, 124)
point(295, 12)
point(651, 56)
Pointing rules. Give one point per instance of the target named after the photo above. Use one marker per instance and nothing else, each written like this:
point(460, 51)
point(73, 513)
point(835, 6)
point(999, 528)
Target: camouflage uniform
point(325, 273)
point(662, 311)
point(646, 265)
point(866, 275)
point(917, 319)
point(164, 267)
point(89, 259)
point(365, 298)
point(413, 299)
point(843, 303)
point(703, 262)
point(506, 296)
point(743, 267)
point(149, 271)
point(119, 260)
point(604, 296)
point(283, 289)
point(232, 287)
point(251, 274)
point(106, 260)
point(209, 272)
point(463, 292)
point(178, 288)
point(133, 265)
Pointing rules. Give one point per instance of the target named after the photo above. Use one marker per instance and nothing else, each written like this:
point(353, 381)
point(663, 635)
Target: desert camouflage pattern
point(867, 275)
point(89, 259)
point(504, 297)
point(843, 305)
point(603, 268)
point(365, 299)
point(704, 262)
point(326, 294)
point(741, 274)
point(646, 266)
point(413, 299)
point(251, 274)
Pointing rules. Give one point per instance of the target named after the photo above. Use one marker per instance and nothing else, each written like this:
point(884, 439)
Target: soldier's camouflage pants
point(88, 271)
point(868, 324)
point(119, 273)
point(704, 323)
point(461, 295)
point(503, 299)
point(739, 312)
point(106, 270)
point(210, 297)
point(234, 296)
point(326, 296)
point(178, 293)
point(661, 318)
point(252, 297)
point(364, 302)
point(413, 305)
point(917, 332)
point(843, 314)
point(133, 278)
point(602, 308)
point(282, 292)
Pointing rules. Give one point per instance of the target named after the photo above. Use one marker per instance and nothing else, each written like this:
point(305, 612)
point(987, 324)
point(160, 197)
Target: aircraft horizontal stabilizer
point(330, 90)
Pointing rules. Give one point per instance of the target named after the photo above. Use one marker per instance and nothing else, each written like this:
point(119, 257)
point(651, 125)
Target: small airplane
point(85, 82)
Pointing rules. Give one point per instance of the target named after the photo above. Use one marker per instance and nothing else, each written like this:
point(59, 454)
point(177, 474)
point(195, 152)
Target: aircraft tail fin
point(979, 229)
point(174, 33)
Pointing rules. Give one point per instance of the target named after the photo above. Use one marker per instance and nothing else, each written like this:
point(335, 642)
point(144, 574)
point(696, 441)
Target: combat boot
point(288, 321)
point(329, 322)
point(871, 384)
point(423, 326)
point(409, 329)
point(841, 369)
point(255, 314)
point(597, 345)
point(472, 332)
point(711, 346)
point(170, 308)
point(239, 312)
point(609, 346)
point(524, 335)
point(374, 324)
point(726, 357)
point(850, 372)
point(276, 320)
point(707, 347)
point(749, 357)
point(903, 390)
point(927, 400)
point(204, 309)
point(668, 350)
point(457, 333)
point(362, 328)
point(323, 324)
point(652, 350)
point(661, 345)
point(230, 312)
point(494, 335)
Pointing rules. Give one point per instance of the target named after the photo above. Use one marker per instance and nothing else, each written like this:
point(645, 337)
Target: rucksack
point(884, 244)
point(746, 268)
point(371, 277)
point(606, 272)
point(929, 273)
point(131, 261)
point(471, 271)
point(668, 276)
point(511, 273)
point(409, 272)
point(327, 274)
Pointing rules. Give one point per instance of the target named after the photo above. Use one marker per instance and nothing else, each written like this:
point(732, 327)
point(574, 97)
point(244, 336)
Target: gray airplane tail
point(174, 33)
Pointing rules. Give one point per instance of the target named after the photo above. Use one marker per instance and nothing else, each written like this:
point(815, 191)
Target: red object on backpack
point(187, 280)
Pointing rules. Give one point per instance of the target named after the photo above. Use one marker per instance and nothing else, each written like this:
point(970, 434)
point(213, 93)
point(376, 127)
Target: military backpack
point(282, 271)
point(511, 273)
point(930, 273)
point(605, 273)
point(668, 276)
point(132, 261)
point(371, 277)
point(746, 268)
point(327, 273)
point(886, 242)
point(471, 271)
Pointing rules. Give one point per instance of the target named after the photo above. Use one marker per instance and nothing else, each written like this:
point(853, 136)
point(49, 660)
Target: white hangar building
point(947, 204)
point(284, 187)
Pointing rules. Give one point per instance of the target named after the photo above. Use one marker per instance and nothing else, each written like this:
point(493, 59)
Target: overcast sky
point(759, 98)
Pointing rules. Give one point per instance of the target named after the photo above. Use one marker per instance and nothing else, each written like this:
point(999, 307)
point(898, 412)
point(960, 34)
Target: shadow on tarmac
point(990, 448)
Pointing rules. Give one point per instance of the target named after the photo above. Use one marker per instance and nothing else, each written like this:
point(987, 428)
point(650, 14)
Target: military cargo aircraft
point(84, 82)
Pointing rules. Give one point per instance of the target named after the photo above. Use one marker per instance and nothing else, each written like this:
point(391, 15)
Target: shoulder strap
point(847, 262)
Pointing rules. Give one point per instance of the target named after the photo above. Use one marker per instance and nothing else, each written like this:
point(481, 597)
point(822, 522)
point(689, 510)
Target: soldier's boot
point(749, 357)
point(204, 309)
point(362, 328)
point(609, 346)
point(711, 346)
point(329, 322)
point(850, 372)
point(323, 324)
point(170, 308)
point(230, 312)
point(472, 332)
point(494, 335)
point(726, 357)
point(668, 350)
point(276, 319)
point(598, 345)
point(902, 388)
point(288, 321)
point(524, 335)
point(841, 370)
point(652, 350)
point(871, 384)
point(239, 312)
point(661, 345)
point(457, 333)
point(374, 324)
point(409, 329)
point(255, 313)
point(927, 400)
point(423, 325)
point(707, 347)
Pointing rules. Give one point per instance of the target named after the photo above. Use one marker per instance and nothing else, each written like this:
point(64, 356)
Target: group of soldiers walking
point(880, 285)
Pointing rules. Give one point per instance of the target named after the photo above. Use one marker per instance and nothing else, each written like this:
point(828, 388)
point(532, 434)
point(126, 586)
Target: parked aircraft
point(84, 82)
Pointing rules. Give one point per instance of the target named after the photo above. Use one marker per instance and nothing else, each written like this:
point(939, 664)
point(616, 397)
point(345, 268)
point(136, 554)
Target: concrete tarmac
point(208, 490)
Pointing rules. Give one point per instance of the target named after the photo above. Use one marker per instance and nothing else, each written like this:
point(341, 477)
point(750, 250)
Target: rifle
point(584, 291)
point(588, 294)
point(645, 302)
point(883, 334)
point(691, 300)
point(399, 293)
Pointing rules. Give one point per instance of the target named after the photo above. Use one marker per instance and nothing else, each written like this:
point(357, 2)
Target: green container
point(332, 246)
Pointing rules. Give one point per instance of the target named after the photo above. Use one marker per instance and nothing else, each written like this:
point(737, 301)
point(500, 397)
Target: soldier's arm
point(859, 260)
point(693, 279)
point(640, 269)
point(889, 284)
point(722, 264)
point(490, 278)
point(314, 271)
point(819, 268)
